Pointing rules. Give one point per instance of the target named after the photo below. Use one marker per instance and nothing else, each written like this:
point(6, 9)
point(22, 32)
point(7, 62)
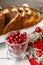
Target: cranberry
point(16, 42)
point(12, 34)
point(14, 39)
point(24, 40)
point(24, 33)
point(19, 40)
point(39, 53)
point(38, 29)
point(7, 37)
point(16, 33)
point(8, 40)
point(24, 37)
point(11, 37)
point(20, 35)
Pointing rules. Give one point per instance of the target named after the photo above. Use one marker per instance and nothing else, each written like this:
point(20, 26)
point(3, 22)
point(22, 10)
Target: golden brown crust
point(20, 17)
point(34, 18)
point(12, 24)
point(15, 25)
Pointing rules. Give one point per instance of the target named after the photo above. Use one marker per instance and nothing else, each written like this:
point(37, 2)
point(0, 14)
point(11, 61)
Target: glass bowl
point(17, 51)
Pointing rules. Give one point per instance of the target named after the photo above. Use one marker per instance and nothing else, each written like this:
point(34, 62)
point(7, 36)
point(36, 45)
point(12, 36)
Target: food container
point(17, 49)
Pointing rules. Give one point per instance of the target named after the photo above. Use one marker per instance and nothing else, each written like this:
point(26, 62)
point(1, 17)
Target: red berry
point(16, 33)
point(38, 29)
point(14, 39)
point(8, 40)
point(24, 33)
point(7, 37)
point(12, 34)
point(19, 40)
point(14, 42)
point(20, 35)
point(24, 37)
point(11, 37)
point(24, 40)
point(39, 53)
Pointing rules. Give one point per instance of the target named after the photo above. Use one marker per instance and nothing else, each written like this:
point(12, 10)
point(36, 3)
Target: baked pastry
point(33, 17)
point(2, 21)
point(14, 22)
point(18, 17)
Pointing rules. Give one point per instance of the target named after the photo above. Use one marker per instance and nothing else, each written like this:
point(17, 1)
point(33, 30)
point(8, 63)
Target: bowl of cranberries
point(17, 43)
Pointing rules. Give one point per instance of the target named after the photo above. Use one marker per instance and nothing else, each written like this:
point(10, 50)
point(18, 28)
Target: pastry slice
point(9, 13)
point(22, 14)
point(16, 21)
point(12, 24)
point(33, 18)
point(12, 16)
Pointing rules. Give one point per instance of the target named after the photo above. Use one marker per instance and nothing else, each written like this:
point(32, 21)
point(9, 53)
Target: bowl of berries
point(17, 43)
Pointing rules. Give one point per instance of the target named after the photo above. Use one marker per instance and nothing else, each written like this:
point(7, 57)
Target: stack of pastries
point(18, 17)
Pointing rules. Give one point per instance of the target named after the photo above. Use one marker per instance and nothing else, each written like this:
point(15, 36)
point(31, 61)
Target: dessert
point(19, 17)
